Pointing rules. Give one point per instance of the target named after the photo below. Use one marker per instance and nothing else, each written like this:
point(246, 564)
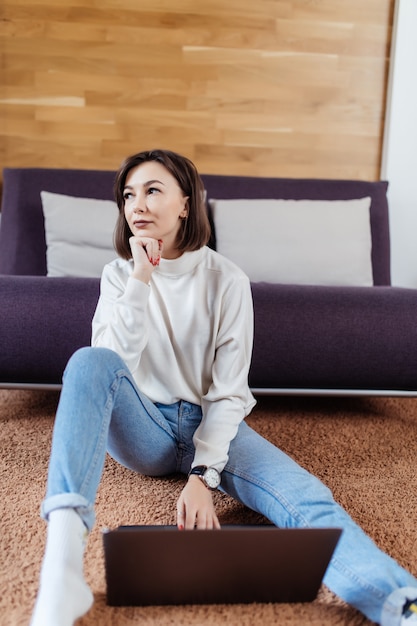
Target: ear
point(184, 212)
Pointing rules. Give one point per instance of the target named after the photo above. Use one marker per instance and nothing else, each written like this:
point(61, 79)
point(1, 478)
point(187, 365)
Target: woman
point(164, 389)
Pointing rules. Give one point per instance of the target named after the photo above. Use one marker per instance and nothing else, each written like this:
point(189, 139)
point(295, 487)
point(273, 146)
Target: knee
point(87, 362)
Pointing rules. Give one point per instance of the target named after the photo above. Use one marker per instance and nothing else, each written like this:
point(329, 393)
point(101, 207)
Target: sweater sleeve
point(228, 400)
point(120, 321)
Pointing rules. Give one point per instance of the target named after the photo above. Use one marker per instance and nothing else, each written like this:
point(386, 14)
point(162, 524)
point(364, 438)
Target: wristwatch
point(209, 475)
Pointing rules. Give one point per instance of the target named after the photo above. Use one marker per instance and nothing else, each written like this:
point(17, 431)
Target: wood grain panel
point(276, 87)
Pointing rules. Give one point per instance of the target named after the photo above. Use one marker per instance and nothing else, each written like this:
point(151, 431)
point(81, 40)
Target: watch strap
point(198, 470)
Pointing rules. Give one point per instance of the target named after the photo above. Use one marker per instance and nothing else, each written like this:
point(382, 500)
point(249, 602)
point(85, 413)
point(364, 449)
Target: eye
point(152, 190)
point(127, 195)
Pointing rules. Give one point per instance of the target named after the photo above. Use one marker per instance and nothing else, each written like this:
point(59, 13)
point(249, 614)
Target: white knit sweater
point(185, 336)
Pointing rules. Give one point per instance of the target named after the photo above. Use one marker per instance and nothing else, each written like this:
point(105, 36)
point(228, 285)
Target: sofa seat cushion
point(42, 322)
point(315, 337)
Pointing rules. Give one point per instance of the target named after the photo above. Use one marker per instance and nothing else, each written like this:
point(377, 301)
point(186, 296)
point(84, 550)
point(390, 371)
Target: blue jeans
point(101, 409)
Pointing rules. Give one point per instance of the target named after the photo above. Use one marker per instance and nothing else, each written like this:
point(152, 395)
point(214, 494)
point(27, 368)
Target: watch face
point(212, 478)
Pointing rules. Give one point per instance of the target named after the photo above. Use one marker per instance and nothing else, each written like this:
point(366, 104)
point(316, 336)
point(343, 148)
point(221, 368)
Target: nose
point(139, 203)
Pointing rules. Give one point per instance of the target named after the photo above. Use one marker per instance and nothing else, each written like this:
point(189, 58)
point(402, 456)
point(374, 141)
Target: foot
point(400, 608)
point(63, 595)
point(62, 603)
point(409, 615)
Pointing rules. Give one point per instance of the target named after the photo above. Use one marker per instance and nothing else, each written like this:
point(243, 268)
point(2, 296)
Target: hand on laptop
point(195, 508)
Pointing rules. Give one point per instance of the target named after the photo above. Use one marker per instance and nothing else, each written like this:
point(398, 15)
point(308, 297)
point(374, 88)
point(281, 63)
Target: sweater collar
point(182, 265)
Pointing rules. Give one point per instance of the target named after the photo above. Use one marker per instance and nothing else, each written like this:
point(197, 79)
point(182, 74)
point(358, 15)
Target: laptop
point(160, 565)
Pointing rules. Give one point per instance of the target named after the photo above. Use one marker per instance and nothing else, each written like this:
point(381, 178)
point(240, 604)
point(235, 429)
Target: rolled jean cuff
point(70, 501)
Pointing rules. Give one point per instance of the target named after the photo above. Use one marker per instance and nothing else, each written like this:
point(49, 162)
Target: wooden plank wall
point(268, 88)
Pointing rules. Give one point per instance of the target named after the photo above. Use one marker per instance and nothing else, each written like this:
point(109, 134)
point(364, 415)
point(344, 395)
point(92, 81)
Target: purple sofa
point(308, 339)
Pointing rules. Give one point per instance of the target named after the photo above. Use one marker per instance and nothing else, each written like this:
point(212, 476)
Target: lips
point(141, 223)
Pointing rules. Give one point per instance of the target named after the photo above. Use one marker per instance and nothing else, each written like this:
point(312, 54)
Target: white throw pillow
point(79, 234)
point(316, 242)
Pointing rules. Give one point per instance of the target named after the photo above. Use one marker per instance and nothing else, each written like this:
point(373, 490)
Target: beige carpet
point(364, 449)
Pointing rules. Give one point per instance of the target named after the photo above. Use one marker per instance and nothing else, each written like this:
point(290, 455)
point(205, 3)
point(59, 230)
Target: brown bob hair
point(195, 231)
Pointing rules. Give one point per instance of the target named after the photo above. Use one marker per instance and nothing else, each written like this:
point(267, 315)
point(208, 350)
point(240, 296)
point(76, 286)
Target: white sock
point(63, 594)
point(394, 611)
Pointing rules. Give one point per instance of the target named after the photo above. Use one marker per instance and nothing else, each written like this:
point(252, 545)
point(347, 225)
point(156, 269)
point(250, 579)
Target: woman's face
point(154, 204)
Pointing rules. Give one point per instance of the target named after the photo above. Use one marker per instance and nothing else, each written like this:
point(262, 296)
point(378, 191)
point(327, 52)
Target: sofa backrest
point(22, 229)
point(229, 187)
point(22, 232)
